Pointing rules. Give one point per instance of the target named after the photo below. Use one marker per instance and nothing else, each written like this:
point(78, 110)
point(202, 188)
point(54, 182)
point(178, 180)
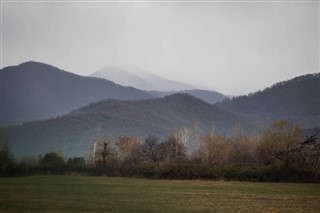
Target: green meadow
point(109, 194)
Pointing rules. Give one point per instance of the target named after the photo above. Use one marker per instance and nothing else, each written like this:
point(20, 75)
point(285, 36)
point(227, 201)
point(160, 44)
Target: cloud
point(232, 47)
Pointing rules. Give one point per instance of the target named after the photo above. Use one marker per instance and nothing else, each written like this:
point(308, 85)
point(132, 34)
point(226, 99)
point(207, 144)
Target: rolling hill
point(205, 95)
point(33, 91)
point(74, 133)
point(140, 79)
point(297, 99)
point(85, 108)
point(155, 85)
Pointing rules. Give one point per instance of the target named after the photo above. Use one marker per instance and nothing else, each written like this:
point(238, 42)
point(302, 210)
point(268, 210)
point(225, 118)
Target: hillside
point(140, 79)
point(205, 95)
point(33, 91)
point(297, 99)
point(74, 133)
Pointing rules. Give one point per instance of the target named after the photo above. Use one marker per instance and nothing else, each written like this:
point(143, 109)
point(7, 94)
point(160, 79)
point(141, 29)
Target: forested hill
point(211, 97)
point(176, 110)
point(32, 91)
point(75, 132)
point(297, 99)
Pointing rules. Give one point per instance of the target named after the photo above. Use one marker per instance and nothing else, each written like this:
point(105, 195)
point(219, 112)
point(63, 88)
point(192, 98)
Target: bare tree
point(185, 137)
point(129, 150)
point(102, 152)
point(215, 149)
point(196, 138)
point(279, 142)
point(5, 155)
point(309, 153)
point(173, 151)
point(151, 149)
point(243, 149)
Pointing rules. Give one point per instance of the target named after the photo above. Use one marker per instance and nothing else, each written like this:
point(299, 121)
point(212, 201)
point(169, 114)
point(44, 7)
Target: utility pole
point(94, 152)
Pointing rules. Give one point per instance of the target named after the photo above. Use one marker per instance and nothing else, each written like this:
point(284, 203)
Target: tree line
point(281, 153)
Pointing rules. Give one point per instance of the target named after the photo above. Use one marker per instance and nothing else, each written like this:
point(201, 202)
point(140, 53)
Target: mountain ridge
point(34, 90)
point(208, 96)
point(75, 132)
point(140, 79)
point(297, 99)
point(98, 107)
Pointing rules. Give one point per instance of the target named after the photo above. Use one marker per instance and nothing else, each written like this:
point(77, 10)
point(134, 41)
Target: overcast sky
point(232, 47)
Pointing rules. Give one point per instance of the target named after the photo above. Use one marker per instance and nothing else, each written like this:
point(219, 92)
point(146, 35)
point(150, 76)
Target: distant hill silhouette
point(84, 108)
point(75, 132)
point(297, 99)
point(140, 79)
point(33, 91)
point(206, 95)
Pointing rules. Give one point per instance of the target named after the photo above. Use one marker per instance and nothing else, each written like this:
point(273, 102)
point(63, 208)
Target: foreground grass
point(104, 194)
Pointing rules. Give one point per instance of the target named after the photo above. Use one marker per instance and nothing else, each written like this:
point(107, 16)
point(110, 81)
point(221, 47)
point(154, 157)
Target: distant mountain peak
point(35, 64)
point(205, 95)
point(34, 90)
point(297, 99)
point(181, 96)
point(31, 63)
point(140, 79)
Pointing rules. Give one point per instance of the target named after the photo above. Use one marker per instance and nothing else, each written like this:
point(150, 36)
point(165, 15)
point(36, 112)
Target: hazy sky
point(234, 47)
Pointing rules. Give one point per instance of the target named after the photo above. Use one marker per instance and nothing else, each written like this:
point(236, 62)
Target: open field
point(105, 194)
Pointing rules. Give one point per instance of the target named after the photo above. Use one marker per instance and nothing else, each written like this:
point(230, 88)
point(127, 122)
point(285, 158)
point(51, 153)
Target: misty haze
point(102, 102)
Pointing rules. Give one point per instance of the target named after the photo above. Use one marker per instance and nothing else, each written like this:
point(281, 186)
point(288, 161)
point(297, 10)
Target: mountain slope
point(32, 91)
point(205, 95)
point(140, 79)
point(76, 132)
point(297, 99)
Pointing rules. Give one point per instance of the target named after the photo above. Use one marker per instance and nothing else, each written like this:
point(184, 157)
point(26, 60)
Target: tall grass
point(108, 194)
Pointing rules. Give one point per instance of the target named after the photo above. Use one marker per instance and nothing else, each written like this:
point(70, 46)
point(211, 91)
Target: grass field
point(105, 194)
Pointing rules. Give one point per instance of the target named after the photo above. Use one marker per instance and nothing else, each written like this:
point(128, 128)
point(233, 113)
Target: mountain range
point(297, 99)
point(67, 112)
point(140, 79)
point(154, 84)
point(205, 95)
point(75, 132)
point(35, 91)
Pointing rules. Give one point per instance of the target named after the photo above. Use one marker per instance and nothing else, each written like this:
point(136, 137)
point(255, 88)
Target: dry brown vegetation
point(280, 154)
